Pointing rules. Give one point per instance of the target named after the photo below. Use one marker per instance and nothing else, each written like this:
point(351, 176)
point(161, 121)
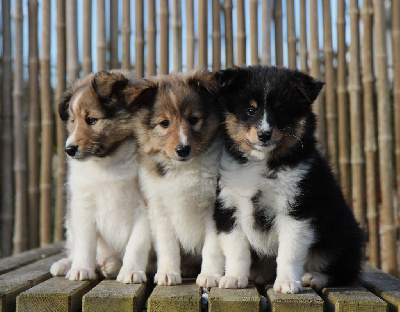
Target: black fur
point(262, 220)
point(224, 218)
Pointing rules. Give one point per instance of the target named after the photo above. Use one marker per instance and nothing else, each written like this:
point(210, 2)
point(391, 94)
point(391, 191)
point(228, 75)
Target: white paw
point(110, 267)
point(233, 282)
point(167, 279)
point(127, 276)
point(315, 280)
point(61, 267)
point(288, 287)
point(81, 274)
point(204, 280)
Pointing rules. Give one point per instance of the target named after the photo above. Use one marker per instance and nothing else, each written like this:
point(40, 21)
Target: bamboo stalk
point(228, 33)
point(357, 157)
point(47, 128)
point(370, 146)
point(291, 33)
point(20, 203)
point(177, 35)
point(34, 130)
point(190, 40)
point(202, 6)
point(87, 37)
point(7, 208)
point(61, 135)
point(139, 39)
point(216, 35)
point(343, 109)
point(266, 32)
point(254, 31)
point(114, 63)
point(72, 39)
point(101, 35)
point(126, 35)
point(278, 33)
point(385, 140)
point(151, 38)
point(164, 37)
point(303, 37)
point(330, 95)
point(241, 33)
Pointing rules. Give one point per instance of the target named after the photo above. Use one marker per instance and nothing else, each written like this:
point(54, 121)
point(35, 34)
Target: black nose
point(71, 150)
point(264, 136)
point(183, 150)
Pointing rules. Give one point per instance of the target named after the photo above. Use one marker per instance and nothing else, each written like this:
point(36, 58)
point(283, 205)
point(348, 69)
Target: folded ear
point(63, 107)
point(308, 86)
point(204, 81)
point(109, 85)
point(141, 93)
point(231, 79)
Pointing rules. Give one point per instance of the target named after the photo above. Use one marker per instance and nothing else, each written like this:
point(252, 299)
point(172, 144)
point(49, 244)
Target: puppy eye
point(193, 120)
point(250, 111)
point(278, 109)
point(91, 121)
point(164, 123)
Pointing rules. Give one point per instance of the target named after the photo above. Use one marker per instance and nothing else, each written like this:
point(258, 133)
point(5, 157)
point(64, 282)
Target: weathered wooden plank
point(307, 300)
point(13, 262)
point(111, 295)
point(352, 299)
point(179, 298)
point(19, 280)
point(55, 294)
point(232, 300)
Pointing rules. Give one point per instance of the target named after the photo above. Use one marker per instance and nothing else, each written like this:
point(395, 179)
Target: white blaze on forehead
point(74, 104)
point(74, 107)
point(173, 97)
point(264, 125)
point(183, 137)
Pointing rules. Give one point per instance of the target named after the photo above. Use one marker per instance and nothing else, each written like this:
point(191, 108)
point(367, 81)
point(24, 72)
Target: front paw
point(61, 267)
point(233, 282)
point(128, 276)
point(288, 287)
point(110, 267)
point(204, 280)
point(167, 279)
point(81, 274)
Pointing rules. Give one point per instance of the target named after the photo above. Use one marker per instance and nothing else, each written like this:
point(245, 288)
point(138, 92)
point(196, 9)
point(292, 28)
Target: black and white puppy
point(277, 195)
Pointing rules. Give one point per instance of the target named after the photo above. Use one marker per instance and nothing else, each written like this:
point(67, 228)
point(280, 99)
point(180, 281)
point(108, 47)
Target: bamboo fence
point(358, 112)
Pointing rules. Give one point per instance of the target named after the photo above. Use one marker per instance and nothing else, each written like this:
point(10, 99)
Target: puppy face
point(97, 115)
point(178, 115)
point(267, 108)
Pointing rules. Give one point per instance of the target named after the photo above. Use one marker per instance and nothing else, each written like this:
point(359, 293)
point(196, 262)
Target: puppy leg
point(61, 267)
point(315, 280)
point(108, 262)
point(295, 238)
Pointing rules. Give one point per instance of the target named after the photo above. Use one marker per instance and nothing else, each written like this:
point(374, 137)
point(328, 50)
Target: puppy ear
point(308, 86)
point(204, 81)
point(141, 93)
point(63, 107)
point(230, 79)
point(109, 84)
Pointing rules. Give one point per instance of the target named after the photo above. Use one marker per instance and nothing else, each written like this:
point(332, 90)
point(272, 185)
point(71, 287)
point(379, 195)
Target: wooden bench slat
point(111, 295)
point(19, 280)
point(55, 294)
point(307, 300)
point(13, 262)
point(185, 298)
point(232, 300)
point(352, 299)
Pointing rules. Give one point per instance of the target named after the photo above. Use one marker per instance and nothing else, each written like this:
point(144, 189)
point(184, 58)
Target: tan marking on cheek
point(253, 104)
point(251, 135)
point(237, 132)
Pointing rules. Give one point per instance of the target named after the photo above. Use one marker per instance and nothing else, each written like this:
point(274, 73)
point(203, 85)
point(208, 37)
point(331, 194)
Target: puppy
point(177, 130)
point(106, 220)
point(277, 195)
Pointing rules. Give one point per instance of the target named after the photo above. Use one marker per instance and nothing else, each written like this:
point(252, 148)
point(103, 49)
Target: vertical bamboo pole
point(177, 35)
point(241, 33)
point(330, 95)
point(370, 146)
point(291, 33)
point(228, 33)
point(151, 38)
point(254, 31)
point(385, 140)
point(101, 35)
point(114, 34)
point(61, 136)
point(357, 157)
point(34, 121)
point(303, 37)
point(278, 33)
point(343, 109)
point(126, 35)
point(7, 208)
point(47, 128)
point(266, 32)
point(87, 37)
point(72, 39)
point(190, 40)
point(202, 5)
point(216, 35)
point(164, 37)
point(19, 144)
point(139, 39)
